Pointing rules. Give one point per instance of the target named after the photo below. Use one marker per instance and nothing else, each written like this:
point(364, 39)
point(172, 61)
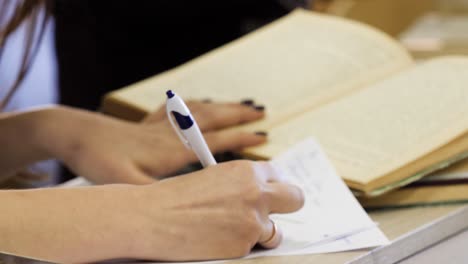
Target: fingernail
point(247, 102)
point(206, 100)
point(261, 133)
point(259, 108)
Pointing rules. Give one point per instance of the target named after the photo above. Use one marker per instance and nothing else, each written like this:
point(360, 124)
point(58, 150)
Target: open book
point(446, 186)
point(382, 120)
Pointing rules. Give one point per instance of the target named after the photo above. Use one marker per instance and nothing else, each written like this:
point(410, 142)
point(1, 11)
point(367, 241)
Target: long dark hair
point(13, 13)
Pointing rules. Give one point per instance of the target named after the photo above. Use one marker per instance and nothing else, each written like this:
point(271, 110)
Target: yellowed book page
point(298, 62)
point(387, 125)
point(443, 194)
point(458, 168)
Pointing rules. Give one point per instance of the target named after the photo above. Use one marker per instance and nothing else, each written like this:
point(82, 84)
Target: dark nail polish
point(247, 102)
point(259, 108)
point(206, 101)
point(261, 133)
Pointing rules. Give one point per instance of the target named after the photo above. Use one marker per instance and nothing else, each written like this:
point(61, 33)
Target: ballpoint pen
point(187, 129)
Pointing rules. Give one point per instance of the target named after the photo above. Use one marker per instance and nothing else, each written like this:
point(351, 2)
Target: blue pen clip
point(178, 121)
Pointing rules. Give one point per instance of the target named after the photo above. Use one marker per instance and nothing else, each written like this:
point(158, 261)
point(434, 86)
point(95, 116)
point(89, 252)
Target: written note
point(331, 215)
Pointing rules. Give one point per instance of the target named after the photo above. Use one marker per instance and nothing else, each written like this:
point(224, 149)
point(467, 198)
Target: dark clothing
point(105, 45)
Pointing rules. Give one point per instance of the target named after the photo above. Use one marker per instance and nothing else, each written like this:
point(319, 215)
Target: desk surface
point(410, 230)
point(452, 250)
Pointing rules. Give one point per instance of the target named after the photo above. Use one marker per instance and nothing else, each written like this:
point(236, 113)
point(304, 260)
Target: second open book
point(383, 120)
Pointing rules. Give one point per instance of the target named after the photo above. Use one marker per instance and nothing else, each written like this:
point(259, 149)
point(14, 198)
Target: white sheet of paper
point(331, 219)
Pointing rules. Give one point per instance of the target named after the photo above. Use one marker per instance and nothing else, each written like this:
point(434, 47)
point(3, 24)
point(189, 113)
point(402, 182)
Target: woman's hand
point(107, 150)
point(215, 213)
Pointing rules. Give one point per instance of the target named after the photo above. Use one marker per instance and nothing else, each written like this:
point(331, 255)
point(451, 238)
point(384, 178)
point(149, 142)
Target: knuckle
point(242, 167)
point(245, 245)
point(253, 193)
point(241, 249)
point(250, 187)
point(252, 224)
point(247, 229)
point(244, 249)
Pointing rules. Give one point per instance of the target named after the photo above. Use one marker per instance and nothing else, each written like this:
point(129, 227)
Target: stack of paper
point(447, 186)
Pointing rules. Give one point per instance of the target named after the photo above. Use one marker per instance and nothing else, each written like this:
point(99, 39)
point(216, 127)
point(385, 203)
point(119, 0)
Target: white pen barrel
point(199, 146)
point(187, 129)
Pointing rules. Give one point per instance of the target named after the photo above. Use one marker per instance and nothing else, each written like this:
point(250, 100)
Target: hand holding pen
point(187, 129)
point(189, 132)
point(218, 212)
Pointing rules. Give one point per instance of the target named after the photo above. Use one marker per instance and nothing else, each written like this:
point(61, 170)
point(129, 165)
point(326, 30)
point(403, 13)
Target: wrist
point(161, 223)
point(48, 127)
point(59, 131)
point(22, 140)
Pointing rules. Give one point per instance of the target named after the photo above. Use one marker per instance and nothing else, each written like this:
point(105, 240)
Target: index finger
point(280, 196)
point(284, 198)
point(217, 116)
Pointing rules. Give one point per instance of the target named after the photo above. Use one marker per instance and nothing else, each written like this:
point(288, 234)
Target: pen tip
point(169, 94)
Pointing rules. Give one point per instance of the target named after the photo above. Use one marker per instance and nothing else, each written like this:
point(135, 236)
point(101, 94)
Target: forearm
point(20, 140)
point(70, 225)
point(31, 136)
point(101, 148)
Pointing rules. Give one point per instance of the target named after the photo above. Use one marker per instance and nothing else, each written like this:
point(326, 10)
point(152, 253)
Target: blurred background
point(427, 28)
